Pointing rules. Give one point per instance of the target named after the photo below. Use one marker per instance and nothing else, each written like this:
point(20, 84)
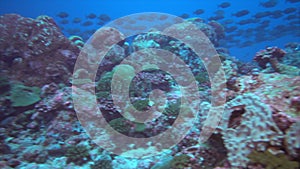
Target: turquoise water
point(241, 45)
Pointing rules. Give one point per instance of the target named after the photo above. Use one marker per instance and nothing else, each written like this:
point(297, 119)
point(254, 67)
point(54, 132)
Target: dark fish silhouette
point(63, 14)
point(294, 23)
point(249, 32)
point(291, 17)
point(73, 31)
point(90, 32)
point(239, 32)
point(91, 16)
point(229, 37)
point(76, 20)
point(198, 12)
point(247, 21)
point(241, 13)
point(232, 40)
point(217, 17)
point(219, 12)
point(230, 29)
point(64, 21)
point(262, 14)
point(269, 4)
point(289, 10)
point(104, 17)
point(224, 5)
point(100, 23)
point(276, 14)
point(292, 1)
point(246, 43)
point(184, 16)
point(265, 23)
point(279, 29)
point(87, 23)
point(228, 21)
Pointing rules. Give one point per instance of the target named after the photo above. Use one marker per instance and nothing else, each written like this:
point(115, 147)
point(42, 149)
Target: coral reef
point(102, 164)
point(262, 114)
point(35, 154)
point(276, 90)
point(271, 161)
point(121, 125)
point(39, 127)
point(78, 154)
point(292, 140)
point(269, 96)
point(244, 119)
point(273, 56)
point(21, 95)
point(28, 45)
point(26, 37)
point(269, 55)
point(213, 30)
point(177, 162)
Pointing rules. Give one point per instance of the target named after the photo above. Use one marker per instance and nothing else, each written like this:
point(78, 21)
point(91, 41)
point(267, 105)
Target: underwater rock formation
point(260, 117)
point(35, 51)
point(269, 55)
point(213, 30)
point(244, 119)
point(273, 56)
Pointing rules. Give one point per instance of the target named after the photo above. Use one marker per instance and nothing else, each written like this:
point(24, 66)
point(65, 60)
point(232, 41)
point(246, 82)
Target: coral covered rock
point(274, 89)
point(245, 118)
point(78, 154)
point(269, 55)
point(272, 57)
point(271, 161)
point(25, 37)
point(102, 164)
point(213, 30)
point(35, 51)
point(21, 95)
point(292, 140)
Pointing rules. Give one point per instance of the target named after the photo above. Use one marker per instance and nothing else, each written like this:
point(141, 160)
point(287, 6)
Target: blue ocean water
point(275, 29)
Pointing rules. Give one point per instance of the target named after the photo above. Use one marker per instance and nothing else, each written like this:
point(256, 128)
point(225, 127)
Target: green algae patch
point(271, 161)
point(21, 95)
